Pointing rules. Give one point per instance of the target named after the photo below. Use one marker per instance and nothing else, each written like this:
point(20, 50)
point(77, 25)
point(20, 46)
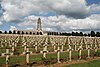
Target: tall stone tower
point(39, 24)
point(39, 27)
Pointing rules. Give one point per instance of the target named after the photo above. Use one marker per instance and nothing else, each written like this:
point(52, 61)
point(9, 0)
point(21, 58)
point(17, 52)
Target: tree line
point(92, 33)
point(14, 32)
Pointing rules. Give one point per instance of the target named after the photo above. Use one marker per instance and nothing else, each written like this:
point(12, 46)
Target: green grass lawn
point(18, 59)
point(94, 63)
point(38, 57)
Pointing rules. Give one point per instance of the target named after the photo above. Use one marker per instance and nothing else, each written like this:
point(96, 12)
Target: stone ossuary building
point(37, 32)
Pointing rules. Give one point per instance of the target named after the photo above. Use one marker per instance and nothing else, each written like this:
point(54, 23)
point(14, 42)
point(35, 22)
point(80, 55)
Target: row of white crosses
point(73, 42)
point(36, 46)
point(80, 51)
point(7, 54)
point(58, 44)
point(45, 51)
point(25, 46)
point(58, 52)
point(98, 40)
point(53, 44)
point(88, 48)
point(26, 51)
point(70, 52)
point(62, 46)
point(69, 49)
point(60, 41)
point(1, 43)
point(13, 46)
point(27, 55)
point(81, 47)
point(95, 44)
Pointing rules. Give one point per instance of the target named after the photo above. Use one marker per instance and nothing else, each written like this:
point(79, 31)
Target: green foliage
point(5, 32)
point(18, 32)
point(10, 32)
point(92, 33)
point(14, 32)
point(0, 32)
point(26, 32)
point(22, 32)
point(98, 34)
point(30, 32)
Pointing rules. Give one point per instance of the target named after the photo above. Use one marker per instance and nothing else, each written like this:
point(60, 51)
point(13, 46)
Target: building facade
point(37, 32)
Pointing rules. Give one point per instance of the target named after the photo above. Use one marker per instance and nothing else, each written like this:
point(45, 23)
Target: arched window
point(40, 33)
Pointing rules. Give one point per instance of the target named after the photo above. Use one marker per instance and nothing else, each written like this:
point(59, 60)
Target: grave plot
point(38, 50)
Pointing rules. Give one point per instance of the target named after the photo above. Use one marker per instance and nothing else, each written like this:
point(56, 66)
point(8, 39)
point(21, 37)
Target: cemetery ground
point(48, 51)
point(87, 63)
point(92, 62)
point(37, 59)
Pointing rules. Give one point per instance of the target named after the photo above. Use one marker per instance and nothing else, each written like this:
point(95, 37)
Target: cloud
point(16, 9)
point(28, 22)
point(1, 11)
point(12, 28)
point(95, 8)
point(29, 28)
point(71, 15)
point(71, 8)
point(1, 20)
point(1, 23)
point(63, 23)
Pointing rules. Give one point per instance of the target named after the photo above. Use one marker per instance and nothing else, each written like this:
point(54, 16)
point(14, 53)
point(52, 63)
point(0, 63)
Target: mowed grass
point(94, 63)
point(38, 57)
point(34, 58)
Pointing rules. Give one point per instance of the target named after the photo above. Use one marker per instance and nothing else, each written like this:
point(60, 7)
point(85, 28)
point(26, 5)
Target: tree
point(10, 32)
point(18, 32)
point(56, 33)
point(22, 32)
point(73, 34)
point(97, 34)
point(81, 33)
point(5, 32)
point(0, 32)
point(89, 34)
point(26, 32)
point(14, 32)
point(69, 34)
point(30, 32)
point(76, 34)
point(85, 34)
point(48, 33)
point(92, 34)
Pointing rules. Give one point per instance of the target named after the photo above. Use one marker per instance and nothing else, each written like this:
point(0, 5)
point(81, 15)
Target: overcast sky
point(56, 15)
